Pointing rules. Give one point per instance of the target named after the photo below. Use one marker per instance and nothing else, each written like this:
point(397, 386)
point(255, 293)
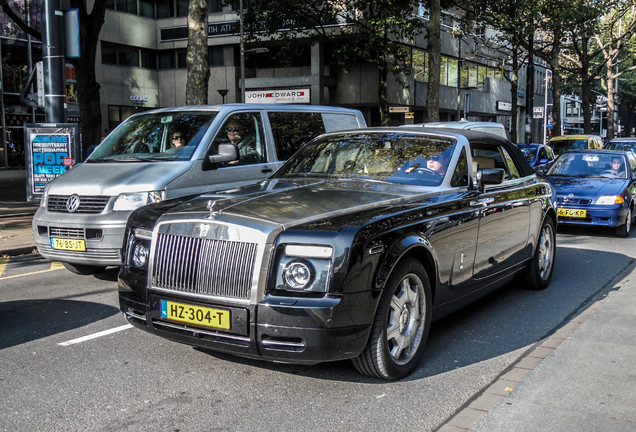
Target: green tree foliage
point(357, 31)
point(513, 23)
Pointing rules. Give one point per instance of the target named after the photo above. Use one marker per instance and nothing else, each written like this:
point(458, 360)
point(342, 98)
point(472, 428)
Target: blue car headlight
point(609, 200)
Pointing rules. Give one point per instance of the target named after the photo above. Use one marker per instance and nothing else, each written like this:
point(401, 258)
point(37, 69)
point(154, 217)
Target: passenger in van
point(237, 135)
point(178, 138)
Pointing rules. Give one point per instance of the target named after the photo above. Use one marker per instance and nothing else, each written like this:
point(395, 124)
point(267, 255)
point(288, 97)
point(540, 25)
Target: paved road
point(68, 362)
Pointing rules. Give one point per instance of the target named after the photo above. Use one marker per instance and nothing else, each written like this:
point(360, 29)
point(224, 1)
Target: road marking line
point(96, 335)
point(3, 264)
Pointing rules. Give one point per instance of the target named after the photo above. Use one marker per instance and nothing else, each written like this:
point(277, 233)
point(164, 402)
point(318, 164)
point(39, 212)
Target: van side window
point(293, 129)
point(246, 131)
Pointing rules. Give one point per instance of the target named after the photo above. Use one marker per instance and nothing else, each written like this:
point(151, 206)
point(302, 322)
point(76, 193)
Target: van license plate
point(199, 315)
point(67, 244)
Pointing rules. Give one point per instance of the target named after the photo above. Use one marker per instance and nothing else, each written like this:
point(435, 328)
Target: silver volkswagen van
point(163, 154)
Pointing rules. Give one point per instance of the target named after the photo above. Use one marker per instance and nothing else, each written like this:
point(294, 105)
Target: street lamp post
point(242, 49)
point(223, 93)
point(545, 108)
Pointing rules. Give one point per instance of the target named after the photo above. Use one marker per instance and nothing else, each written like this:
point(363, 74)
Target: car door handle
point(482, 202)
point(266, 170)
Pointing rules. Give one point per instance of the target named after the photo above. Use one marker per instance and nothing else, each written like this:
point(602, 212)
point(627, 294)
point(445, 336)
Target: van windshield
point(154, 137)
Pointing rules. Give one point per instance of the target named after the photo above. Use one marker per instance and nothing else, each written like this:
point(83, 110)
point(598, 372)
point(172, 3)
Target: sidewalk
point(582, 378)
point(16, 235)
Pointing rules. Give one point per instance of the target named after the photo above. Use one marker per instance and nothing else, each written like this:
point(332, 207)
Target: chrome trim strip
point(205, 332)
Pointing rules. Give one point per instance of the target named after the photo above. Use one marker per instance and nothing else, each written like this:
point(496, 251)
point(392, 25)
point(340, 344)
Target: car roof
point(627, 139)
point(603, 151)
point(573, 137)
point(458, 124)
point(252, 106)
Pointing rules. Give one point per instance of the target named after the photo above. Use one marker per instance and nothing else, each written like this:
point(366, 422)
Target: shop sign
point(281, 96)
point(504, 106)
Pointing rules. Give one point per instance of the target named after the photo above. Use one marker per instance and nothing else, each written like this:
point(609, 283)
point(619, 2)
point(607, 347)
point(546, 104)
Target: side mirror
point(489, 176)
point(544, 160)
point(226, 152)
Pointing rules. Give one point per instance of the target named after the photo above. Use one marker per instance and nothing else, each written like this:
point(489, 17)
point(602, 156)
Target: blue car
point(595, 187)
point(537, 154)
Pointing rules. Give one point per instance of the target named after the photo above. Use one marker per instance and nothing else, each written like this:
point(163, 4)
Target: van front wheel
point(83, 269)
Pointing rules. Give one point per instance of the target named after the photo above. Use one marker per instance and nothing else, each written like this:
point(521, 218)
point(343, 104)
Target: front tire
point(541, 266)
point(624, 229)
point(401, 324)
point(83, 269)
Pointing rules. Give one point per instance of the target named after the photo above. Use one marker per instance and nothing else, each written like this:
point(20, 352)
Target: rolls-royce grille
point(88, 204)
point(204, 266)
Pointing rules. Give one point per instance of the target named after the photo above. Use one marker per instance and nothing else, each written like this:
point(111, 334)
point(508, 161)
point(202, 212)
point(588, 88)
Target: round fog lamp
point(140, 255)
point(297, 275)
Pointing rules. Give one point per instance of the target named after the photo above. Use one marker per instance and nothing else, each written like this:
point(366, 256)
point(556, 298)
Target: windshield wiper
point(134, 159)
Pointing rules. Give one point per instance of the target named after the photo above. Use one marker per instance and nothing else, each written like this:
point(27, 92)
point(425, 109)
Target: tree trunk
point(383, 74)
point(197, 54)
point(90, 124)
point(434, 62)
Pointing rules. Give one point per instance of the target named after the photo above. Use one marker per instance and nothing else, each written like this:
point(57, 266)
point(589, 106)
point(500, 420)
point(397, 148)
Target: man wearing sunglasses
point(245, 143)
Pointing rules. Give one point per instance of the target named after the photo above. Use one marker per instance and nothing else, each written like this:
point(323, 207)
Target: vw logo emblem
point(72, 203)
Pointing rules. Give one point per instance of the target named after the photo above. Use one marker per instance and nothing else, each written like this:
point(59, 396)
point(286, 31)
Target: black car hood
point(291, 202)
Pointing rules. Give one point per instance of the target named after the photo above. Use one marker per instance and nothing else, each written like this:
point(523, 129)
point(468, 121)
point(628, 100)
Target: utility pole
point(53, 58)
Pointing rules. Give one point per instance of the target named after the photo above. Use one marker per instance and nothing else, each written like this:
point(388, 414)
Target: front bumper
point(281, 329)
point(102, 233)
point(608, 216)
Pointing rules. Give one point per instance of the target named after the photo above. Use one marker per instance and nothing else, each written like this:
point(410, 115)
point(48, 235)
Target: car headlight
point(139, 248)
point(610, 200)
point(131, 201)
point(304, 268)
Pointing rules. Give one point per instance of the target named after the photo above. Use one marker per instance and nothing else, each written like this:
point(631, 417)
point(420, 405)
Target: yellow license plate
point(576, 213)
point(67, 244)
point(199, 315)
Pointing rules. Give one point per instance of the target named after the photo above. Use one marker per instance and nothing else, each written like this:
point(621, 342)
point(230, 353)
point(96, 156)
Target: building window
point(420, 63)
point(166, 60)
point(443, 71)
point(215, 56)
point(453, 65)
point(124, 55)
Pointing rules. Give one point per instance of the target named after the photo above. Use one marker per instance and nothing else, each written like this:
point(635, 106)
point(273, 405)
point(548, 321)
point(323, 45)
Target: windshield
point(154, 137)
point(621, 145)
point(589, 165)
point(529, 153)
point(561, 146)
point(392, 157)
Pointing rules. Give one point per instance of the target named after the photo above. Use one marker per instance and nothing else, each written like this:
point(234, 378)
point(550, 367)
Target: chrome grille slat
point(66, 232)
point(204, 266)
point(88, 203)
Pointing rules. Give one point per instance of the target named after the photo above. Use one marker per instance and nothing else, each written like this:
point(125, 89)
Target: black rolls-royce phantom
point(348, 251)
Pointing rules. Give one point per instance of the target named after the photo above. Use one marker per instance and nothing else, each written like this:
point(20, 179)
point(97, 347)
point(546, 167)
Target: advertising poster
point(51, 150)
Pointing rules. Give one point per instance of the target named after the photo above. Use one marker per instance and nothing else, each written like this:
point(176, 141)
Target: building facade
point(141, 65)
